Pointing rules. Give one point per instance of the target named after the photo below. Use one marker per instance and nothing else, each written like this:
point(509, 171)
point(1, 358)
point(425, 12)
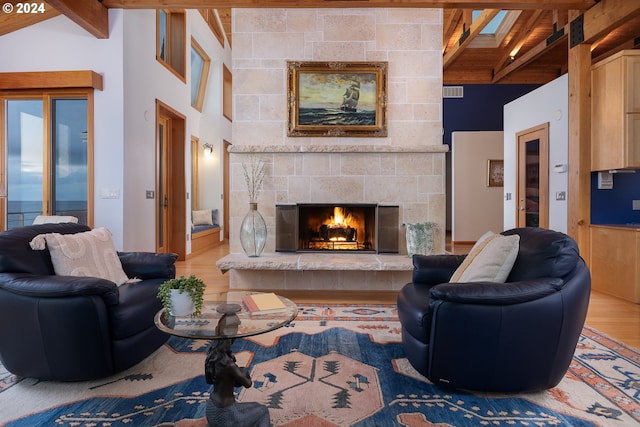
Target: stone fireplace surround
point(408, 176)
point(406, 168)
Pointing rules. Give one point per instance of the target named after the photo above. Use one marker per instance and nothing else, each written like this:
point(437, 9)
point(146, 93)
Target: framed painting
point(495, 173)
point(337, 99)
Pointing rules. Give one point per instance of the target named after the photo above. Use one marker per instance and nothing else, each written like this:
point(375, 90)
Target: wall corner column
point(579, 142)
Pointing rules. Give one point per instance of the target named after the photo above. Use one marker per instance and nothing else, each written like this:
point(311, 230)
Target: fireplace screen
point(336, 227)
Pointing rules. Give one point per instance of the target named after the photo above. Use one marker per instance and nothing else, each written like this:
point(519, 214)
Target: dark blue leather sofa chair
point(65, 328)
point(498, 337)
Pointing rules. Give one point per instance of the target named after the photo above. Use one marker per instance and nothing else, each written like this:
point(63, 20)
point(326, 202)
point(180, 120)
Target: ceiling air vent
point(452, 92)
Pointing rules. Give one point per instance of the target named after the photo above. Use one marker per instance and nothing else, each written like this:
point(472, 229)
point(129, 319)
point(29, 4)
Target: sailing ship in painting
point(338, 100)
point(350, 98)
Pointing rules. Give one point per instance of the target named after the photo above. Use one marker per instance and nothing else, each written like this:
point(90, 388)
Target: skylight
point(492, 27)
point(493, 33)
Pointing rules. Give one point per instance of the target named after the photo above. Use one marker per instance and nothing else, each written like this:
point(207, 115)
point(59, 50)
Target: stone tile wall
point(404, 168)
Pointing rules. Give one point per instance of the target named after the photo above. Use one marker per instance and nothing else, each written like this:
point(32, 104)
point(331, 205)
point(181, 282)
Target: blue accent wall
point(614, 206)
point(481, 109)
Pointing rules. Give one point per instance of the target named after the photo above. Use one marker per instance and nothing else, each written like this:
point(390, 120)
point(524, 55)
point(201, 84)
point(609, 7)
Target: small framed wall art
point(495, 173)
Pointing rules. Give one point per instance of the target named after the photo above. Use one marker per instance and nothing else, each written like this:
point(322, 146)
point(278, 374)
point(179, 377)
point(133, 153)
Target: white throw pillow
point(490, 260)
point(88, 254)
point(202, 217)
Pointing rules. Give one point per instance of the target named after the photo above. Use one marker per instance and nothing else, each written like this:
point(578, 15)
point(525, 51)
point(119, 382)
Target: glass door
point(47, 170)
point(533, 177)
point(25, 161)
point(69, 159)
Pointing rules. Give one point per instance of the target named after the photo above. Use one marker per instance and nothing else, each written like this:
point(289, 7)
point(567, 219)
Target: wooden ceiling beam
point(225, 20)
point(633, 43)
point(560, 18)
point(449, 27)
point(516, 43)
point(89, 14)
point(447, 4)
point(13, 21)
point(468, 35)
point(532, 54)
point(604, 17)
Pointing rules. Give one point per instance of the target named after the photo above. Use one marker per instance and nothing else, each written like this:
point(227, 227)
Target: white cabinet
point(615, 112)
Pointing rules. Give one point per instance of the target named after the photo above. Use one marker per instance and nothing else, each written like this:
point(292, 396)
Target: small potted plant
point(182, 296)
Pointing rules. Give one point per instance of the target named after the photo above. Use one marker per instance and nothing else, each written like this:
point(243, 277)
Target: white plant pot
point(181, 303)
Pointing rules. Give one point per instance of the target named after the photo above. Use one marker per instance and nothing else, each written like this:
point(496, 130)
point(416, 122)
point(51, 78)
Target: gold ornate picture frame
point(495, 173)
point(337, 99)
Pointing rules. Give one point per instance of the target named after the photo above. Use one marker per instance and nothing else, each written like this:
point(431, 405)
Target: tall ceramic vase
point(253, 232)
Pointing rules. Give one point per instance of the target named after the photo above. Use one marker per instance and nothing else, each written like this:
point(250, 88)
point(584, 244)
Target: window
point(211, 16)
point(200, 63)
point(47, 144)
point(171, 40)
point(227, 81)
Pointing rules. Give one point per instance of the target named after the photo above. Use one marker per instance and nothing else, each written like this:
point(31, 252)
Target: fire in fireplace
point(337, 227)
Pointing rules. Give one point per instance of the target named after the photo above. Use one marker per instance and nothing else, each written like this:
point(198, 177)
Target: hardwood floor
point(617, 318)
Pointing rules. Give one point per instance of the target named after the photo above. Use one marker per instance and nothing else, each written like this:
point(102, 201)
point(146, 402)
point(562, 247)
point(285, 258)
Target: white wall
point(124, 129)
point(57, 44)
point(147, 80)
point(548, 103)
point(475, 207)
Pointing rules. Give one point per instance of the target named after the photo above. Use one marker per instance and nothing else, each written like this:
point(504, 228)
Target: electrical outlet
point(635, 205)
point(561, 195)
point(150, 194)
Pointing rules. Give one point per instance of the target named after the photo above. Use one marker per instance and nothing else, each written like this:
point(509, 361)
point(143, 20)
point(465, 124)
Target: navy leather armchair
point(67, 328)
point(499, 337)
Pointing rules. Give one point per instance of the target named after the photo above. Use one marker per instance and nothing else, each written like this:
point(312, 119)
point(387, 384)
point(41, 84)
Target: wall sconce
point(208, 149)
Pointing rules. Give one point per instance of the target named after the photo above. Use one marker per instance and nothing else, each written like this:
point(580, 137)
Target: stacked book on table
point(264, 303)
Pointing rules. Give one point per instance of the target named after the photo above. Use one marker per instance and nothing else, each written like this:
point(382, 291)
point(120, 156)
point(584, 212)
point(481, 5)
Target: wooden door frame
point(162, 228)
point(225, 188)
point(176, 239)
point(541, 133)
point(195, 173)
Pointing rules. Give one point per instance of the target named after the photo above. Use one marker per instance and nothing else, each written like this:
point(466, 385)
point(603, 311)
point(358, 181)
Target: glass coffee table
point(222, 321)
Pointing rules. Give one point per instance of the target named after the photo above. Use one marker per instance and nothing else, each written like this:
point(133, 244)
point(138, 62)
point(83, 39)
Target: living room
point(135, 86)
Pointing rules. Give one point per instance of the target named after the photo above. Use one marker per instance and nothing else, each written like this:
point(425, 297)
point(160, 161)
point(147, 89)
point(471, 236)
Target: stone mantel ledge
point(316, 262)
point(335, 148)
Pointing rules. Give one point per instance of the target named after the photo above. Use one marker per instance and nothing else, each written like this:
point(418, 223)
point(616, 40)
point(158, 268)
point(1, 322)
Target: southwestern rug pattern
point(339, 365)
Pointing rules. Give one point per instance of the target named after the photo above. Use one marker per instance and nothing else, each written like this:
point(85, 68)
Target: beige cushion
point(88, 254)
point(490, 260)
point(202, 217)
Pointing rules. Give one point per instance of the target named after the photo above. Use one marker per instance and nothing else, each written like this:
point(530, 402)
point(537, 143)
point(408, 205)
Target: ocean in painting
point(335, 117)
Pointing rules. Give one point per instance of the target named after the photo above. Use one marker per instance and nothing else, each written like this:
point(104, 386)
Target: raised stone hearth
point(313, 271)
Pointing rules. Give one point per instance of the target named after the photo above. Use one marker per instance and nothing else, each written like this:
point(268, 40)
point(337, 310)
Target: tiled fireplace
point(405, 169)
point(405, 183)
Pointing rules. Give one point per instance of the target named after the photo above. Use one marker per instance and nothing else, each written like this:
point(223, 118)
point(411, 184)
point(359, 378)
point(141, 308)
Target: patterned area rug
point(334, 366)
